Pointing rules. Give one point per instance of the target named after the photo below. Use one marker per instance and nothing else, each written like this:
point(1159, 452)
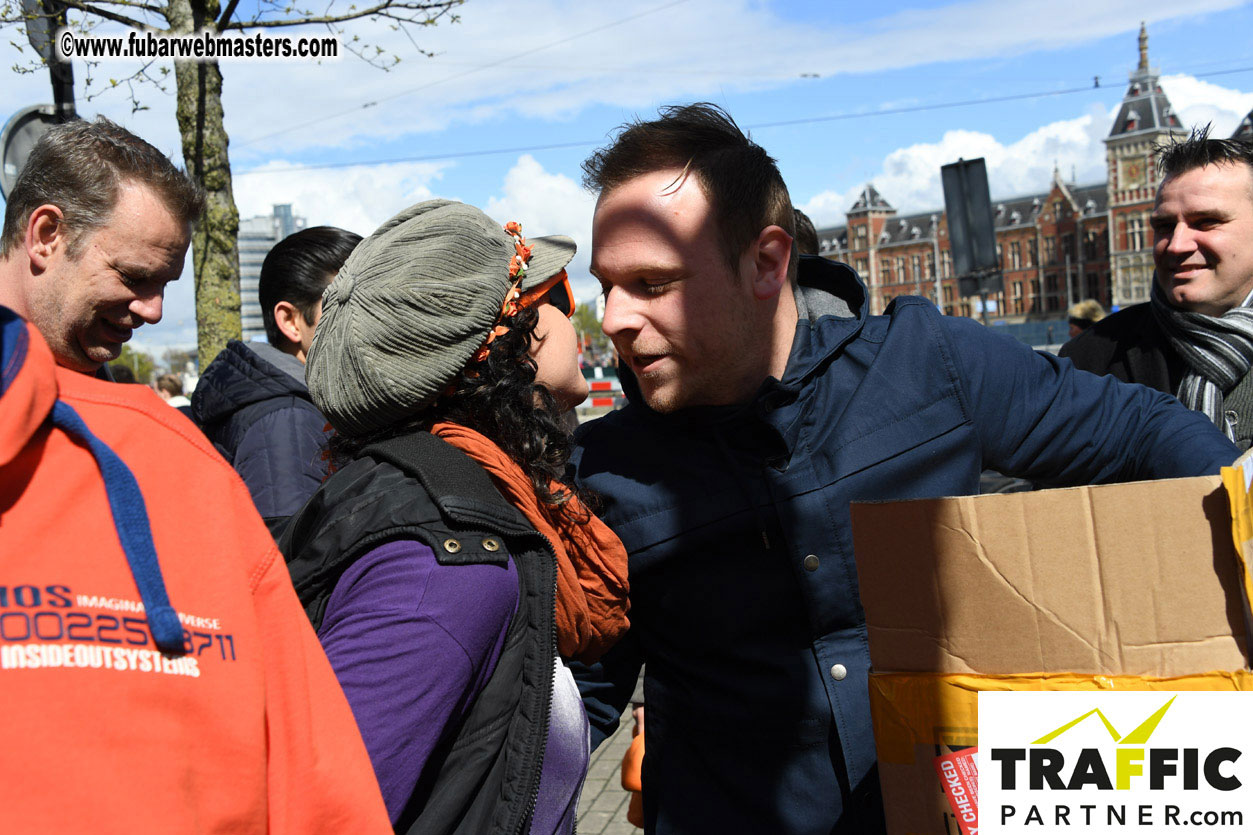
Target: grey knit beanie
point(410, 307)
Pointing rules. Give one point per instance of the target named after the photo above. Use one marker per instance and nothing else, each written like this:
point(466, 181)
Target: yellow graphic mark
point(1139, 736)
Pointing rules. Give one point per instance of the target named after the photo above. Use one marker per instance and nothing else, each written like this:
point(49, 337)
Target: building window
point(915, 264)
point(1015, 256)
point(1068, 246)
point(948, 294)
point(859, 238)
point(1032, 254)
point(1135, 234)
point(1050, 250)
point(861, 267)
point(1089, 246)
point(900, 269)
point(930, 265)
point(885, 270)
point(946, 264)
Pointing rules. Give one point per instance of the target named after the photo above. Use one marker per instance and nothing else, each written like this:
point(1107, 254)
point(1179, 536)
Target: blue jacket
point(744, 595)
point(253, 404)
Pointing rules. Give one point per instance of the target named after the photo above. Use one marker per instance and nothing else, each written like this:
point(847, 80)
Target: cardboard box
point(1135, 580)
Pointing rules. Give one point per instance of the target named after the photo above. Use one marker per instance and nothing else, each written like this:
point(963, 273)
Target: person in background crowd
point(252, 400)
point(97, 224)
point(806, 235)
point(154, 681)
point(1083, 315)
point(1194, 337)
point(121, 373)
point(435, 558)
point(764, 399)
point(170, 388)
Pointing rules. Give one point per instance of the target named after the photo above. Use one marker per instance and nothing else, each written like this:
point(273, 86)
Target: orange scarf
point(592, 583)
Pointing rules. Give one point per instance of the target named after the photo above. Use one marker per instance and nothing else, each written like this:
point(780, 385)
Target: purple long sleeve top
point(413, 643)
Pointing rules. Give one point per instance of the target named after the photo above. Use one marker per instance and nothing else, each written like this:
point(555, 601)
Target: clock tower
point(1145, 119)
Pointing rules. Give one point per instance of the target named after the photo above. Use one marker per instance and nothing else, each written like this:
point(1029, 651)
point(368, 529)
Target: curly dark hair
point(499, 398)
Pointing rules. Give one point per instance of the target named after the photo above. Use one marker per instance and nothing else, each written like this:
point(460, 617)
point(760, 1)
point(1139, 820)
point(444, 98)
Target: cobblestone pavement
point(603, 805)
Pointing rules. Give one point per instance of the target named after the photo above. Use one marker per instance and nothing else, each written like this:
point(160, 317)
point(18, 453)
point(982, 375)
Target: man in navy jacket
point(764, 399)
point(252, 400)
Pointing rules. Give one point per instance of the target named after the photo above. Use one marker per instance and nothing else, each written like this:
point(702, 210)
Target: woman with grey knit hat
point(447, 564)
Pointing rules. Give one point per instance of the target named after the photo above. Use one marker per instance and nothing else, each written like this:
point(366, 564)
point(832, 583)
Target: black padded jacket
point(417, 487)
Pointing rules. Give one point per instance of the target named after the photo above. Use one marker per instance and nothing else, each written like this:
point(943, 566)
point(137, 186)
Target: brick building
point(1056, 247)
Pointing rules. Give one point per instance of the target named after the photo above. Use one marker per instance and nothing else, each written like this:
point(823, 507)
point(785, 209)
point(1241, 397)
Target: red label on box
point(959, 774)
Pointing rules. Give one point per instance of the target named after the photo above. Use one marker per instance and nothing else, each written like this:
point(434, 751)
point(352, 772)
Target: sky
point(500, 107)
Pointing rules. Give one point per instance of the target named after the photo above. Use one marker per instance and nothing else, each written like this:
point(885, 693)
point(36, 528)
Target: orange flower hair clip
point(517, 271)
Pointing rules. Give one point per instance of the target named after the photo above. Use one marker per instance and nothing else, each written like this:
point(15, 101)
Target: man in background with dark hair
point(252, 401)
point(97, 224)
point(764, 399)
point(806, 234)
point(1194, 337)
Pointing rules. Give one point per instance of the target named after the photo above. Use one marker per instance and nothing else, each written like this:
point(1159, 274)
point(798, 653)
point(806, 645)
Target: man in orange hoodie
point(158, 672)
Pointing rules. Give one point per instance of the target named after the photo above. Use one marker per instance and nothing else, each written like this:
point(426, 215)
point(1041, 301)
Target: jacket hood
point(28, 403)
point(832, 306)
point(243, 374)
point(28, 383)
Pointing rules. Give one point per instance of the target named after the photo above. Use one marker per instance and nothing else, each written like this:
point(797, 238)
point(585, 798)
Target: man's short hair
point(740, 180)
point(806, 235)
point(79, 167)
point(298, 269)
point(1199, 150)
point(171, 384)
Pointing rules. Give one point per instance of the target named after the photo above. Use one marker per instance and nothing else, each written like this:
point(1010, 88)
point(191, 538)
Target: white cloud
point(1197, 102)
point(549, 204)
point(909, 178)
point(357, 198)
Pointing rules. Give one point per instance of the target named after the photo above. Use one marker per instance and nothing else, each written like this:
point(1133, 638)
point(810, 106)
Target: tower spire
point(1144, 48)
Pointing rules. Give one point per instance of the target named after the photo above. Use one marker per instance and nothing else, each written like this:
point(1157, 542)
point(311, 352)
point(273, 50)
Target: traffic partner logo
point(1047, 768)
point(1170, 768)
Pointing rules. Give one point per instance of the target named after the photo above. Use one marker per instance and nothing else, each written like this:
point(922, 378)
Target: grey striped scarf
point(1217, 350)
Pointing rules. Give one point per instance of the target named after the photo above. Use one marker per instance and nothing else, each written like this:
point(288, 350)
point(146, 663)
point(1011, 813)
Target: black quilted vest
point(419, 488)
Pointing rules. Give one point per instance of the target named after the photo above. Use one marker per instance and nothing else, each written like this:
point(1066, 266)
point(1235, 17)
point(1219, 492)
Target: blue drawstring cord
point(130, 517)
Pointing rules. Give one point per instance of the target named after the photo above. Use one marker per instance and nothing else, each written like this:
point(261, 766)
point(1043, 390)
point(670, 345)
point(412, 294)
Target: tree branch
point(385, 9)
point(226, 15)
point(92, 9)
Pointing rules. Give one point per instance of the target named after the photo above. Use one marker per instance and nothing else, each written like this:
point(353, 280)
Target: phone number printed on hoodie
point(37, 631)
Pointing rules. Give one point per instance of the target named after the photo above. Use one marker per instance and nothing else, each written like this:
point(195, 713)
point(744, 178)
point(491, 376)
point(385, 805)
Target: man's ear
point(290, 321)
point(45, 234)
point(772, 255)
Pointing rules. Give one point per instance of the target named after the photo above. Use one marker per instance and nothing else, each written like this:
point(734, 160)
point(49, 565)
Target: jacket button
point(811, 563)
point(838, 672)
point(452, 546)
point(491, 544)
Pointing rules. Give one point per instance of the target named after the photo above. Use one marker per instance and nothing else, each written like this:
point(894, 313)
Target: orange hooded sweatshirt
point(118, 523)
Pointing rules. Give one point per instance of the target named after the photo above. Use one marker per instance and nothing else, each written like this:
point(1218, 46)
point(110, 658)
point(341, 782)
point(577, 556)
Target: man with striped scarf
point(1194, 338)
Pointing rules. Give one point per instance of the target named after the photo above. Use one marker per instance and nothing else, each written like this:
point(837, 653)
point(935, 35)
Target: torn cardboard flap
point(1131, 579)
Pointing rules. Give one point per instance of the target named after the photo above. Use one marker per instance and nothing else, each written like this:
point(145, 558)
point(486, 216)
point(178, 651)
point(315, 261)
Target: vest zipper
point(528, 815)
point(548, 712)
